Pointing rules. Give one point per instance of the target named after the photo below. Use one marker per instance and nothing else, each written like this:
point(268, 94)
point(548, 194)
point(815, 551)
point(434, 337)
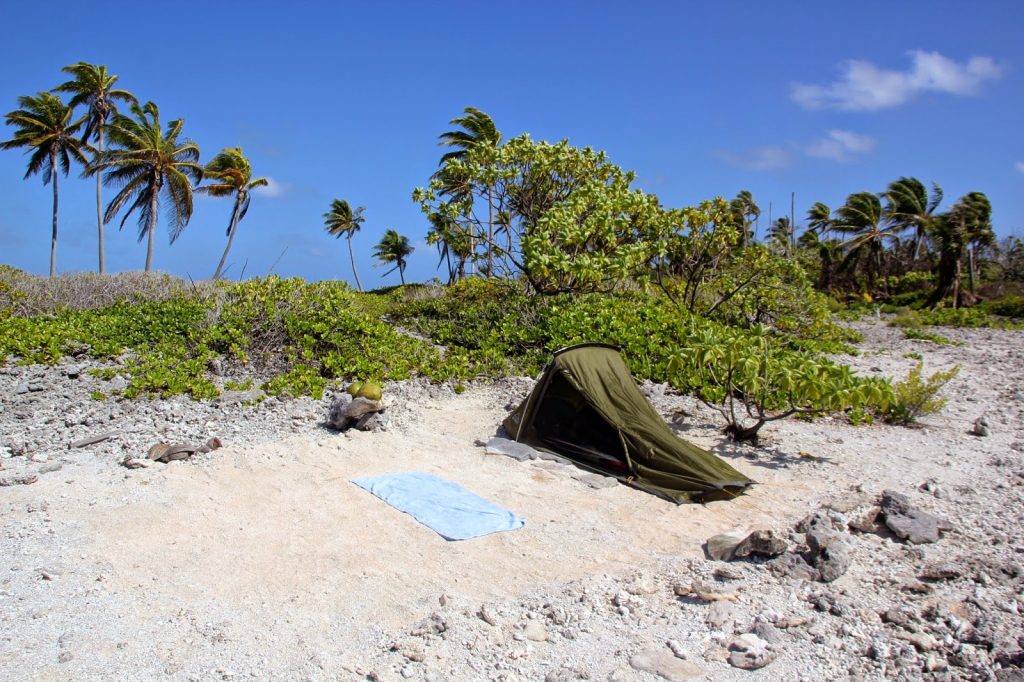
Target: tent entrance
point(568, 425)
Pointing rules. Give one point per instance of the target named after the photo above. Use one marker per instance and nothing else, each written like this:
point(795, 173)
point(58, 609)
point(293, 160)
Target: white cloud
point(866, 87)
point(273, 190)
point(1019, 166)
point(758, 159)
point(840, 145)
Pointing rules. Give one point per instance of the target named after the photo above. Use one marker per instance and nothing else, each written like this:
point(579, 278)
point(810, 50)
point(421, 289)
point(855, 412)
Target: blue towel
point(452, 511)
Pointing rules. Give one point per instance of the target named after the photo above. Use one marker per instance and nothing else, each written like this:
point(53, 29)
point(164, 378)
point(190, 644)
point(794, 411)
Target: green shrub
point(919, 335)
point(907, 319)
point(751, 381)
point(1007, 306)
point(914, 397)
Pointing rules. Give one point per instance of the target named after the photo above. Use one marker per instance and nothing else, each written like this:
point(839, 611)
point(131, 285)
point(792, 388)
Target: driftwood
point(92, 440)
point(164, 452)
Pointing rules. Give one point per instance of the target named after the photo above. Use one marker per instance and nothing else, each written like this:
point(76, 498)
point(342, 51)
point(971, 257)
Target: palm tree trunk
point(53, 238)
point(231, 236)
point(490, 231)
point(401, 273)
point(972, 272)
point(956, 284)
point(352, 257)
point(153, 205)
point(99, 202)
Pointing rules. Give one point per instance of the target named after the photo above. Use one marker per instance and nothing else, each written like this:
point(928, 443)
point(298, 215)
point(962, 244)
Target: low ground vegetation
point(168, 337)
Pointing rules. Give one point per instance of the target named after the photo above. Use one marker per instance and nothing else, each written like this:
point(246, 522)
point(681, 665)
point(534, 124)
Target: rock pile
point(360, 413)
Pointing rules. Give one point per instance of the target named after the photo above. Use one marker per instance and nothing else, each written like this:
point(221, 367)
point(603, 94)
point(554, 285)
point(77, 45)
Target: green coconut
point(370, 390)
point(353, 388)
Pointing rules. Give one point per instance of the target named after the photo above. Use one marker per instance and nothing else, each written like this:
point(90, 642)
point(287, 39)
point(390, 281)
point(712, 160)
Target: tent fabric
point(587, 407)
point(450, 510)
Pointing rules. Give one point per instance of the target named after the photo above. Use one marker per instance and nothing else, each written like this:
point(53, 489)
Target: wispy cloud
point(1019, 166)
point(840, 145)
point(864, 86)
point(758, 158)
point(273, 190)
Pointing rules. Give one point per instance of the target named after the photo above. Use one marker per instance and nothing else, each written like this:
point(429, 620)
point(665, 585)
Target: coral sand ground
point(261, 560)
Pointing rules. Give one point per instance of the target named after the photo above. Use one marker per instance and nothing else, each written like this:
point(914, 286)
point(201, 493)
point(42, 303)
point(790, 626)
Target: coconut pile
point(224, 540)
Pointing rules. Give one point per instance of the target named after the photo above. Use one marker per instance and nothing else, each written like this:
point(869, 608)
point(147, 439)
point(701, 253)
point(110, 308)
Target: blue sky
point(346, 100)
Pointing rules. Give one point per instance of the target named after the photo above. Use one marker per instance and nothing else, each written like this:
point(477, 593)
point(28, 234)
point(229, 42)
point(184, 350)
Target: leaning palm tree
point(393, 248)
point(870, 229)
point(744, 211)
point(94, 87)
point(232, 176)
point(780, 235)
point(911, 206)
point(967, 223)
point(342, 220)
point(148, 164)
point(478, 130)
point(819, 219)
point(44, 128)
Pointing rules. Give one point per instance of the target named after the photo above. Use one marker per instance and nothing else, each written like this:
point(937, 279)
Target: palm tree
point(94, 87)
point(826, 250)
point(968, 223)
point(232, 176)
point(147, 163)
point(819, 219)
point(451, 239)
point(393, 248)
point(478, 130)
point(45, 128)
point(910, 206)
point(780, 235)
point(863, 217)
point(744, 211)
point(342, 220)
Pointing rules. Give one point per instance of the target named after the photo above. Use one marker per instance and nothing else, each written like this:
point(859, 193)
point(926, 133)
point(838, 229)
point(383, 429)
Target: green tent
point(587, 408)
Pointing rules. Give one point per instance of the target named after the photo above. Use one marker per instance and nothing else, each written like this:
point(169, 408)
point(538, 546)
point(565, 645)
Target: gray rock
point(980, 427)
point(50, 467)
point(487, 615)
point(510, 448)
point(910, 524)
point(766, 631)
point(597, 481)
point(750, 652)
point(762, 542)
point(834, 560)
point(819, 538)
point(347, 412)
point(21, 389)
point(336, 418)
point(818, 520)
point(665, 664)
point(722, 546)
point(375, 421)
point(360, 406)
point(792, 565)
point(721, 615)
point(117, 384)
point(946, 570)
